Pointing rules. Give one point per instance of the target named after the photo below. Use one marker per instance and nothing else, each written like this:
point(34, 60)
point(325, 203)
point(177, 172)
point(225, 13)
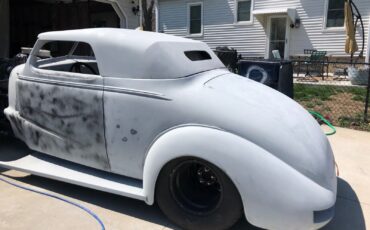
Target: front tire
point(195, 194)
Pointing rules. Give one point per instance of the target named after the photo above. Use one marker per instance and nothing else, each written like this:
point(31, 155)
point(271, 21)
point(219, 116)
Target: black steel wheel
point(195, 194)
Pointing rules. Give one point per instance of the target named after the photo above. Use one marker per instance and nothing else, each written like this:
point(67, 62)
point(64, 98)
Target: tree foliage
point(147, 14)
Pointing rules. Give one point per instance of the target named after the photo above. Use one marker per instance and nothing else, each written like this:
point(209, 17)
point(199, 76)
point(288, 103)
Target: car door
point(136, 112)
point(64, 110)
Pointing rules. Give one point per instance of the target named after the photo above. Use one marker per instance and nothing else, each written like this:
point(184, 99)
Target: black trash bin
point(277, 74)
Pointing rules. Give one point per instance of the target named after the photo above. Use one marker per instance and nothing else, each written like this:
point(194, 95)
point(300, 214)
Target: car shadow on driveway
point(129, 207)
point(126, 206)
point(349, 214)
point(348, 211)
point(13, 148)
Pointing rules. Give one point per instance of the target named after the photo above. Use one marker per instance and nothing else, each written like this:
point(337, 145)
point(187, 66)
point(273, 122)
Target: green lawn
point(344, 106)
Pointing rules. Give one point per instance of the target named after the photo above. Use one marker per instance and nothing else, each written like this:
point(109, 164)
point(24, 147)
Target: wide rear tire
point(195, 194)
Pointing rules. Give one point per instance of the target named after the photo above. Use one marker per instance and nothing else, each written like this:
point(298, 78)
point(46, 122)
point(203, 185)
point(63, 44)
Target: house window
point(243, 10)
point(195, 18)
point(335, 16)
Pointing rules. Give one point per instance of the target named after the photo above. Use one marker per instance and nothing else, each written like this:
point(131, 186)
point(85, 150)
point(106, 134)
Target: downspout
point(140, 14)
point(156, 16)
point(368, 45)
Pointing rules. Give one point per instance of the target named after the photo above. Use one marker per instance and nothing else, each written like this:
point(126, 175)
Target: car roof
point(101, 35)
point(138, 54)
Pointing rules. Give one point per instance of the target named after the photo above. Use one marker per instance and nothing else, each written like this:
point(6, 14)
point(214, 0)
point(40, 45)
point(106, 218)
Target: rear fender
point(268, 186)
point(188, 141)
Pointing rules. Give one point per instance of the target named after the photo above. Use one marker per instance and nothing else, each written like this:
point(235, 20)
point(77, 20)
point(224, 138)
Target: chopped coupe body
point(144, 100)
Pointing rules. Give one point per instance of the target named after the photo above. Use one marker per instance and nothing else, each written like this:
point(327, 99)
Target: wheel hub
point(206, 176)
point(195, 187)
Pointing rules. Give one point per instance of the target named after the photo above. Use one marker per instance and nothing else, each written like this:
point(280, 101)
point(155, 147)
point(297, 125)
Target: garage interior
point(22, 20)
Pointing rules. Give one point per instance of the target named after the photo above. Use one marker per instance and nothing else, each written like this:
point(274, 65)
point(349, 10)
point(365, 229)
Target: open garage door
point(28, 18)
point(4, 28)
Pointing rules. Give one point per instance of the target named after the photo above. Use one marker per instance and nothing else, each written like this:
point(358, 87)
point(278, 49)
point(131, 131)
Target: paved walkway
point(25, 210)
point(352, 153)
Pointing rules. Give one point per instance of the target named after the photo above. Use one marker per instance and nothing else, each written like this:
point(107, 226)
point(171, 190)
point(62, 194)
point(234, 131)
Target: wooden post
point(367, 98)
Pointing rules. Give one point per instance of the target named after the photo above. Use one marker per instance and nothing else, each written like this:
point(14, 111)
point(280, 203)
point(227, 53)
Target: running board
point(65, 171)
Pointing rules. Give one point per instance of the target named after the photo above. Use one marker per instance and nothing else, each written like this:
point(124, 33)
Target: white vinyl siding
point(220, 29)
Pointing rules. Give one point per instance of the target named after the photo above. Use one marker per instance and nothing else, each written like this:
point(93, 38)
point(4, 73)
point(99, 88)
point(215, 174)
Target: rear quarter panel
point(274, 195)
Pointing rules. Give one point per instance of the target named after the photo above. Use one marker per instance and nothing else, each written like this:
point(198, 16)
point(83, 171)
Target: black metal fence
point(337, 90)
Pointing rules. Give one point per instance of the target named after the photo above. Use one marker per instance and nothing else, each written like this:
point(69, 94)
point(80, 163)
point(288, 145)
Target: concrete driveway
point(26, 210)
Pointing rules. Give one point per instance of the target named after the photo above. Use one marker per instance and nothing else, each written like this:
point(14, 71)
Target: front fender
point(274, 194)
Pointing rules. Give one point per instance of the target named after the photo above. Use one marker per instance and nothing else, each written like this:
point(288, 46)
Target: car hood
point(274, 122)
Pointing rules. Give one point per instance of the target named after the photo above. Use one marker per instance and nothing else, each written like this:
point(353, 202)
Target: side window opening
point(197, 55)
point(69, 56)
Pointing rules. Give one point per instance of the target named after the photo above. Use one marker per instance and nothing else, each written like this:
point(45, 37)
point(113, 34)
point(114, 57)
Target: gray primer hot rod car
point(159, 118)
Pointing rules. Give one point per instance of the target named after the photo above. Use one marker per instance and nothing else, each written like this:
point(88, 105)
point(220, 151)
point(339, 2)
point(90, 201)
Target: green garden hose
point(321, 117)
point(318, 115)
